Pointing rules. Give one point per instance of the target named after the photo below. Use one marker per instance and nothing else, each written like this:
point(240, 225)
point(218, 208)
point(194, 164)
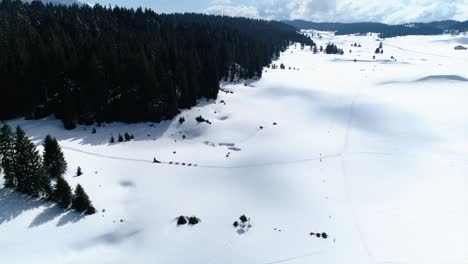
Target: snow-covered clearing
point(372, 152)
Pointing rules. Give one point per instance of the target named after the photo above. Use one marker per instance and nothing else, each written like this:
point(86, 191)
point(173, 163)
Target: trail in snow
point(265, 164)
point(293, 258)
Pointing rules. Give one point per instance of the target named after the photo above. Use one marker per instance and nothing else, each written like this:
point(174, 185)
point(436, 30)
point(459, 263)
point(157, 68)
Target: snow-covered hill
point(372, 152)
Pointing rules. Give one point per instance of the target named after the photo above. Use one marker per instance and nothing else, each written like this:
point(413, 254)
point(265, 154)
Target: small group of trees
point(26, 171)
point(356, 45)
point(379, 50)
point(125, 138)
point(333, 49)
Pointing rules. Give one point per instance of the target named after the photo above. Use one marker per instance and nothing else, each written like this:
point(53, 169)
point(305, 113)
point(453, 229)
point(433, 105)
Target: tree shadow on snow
point(110, 238)
point(38, 129)
point(69, 218)
point(46, 216)
point(13, 204)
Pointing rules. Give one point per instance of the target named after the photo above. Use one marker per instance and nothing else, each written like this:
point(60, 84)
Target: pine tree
point(29, 171)
point(78, 171)
point(7, 156)
point(62, 193)
point(127, 136)
point(112, 140)
point(54, 160)
point(120, 139)
point(81, 202)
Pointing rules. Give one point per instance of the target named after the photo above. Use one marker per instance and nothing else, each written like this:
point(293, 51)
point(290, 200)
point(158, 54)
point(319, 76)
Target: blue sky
point(388, 11)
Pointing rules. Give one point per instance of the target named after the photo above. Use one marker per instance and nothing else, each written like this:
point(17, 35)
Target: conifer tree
point(28, 168)
point(54, 160)
point(127, 136)
point(7, 156)
point(78, 171)
point(62, 193)
point(81, 202)
point(120, 139)
point(112, 140)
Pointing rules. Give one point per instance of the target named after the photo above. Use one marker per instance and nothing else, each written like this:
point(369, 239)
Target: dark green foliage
point(27, 172)
point(193, 220)
point(112, 140)
point(181, 220)
point(28, 169)
point(333, 49)
point(81, 202)
point(78, 171)
point(181, 120)
point(87, 64)
point(120, 138)
point(243, 218)
point(54, 160)
point(7, 156)
point(62, 193)
point(127, 137)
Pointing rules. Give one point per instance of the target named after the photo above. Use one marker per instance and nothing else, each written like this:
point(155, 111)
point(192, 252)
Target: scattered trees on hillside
point(26, 171)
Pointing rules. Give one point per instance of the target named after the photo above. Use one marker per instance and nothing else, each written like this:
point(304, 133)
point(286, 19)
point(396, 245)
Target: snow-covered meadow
point(372, 152)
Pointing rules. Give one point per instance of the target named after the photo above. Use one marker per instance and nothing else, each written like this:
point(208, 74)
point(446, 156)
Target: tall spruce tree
point(28, 170)
point(62, 193)
point(54, 160)
point(81, 202)
point(7, 156)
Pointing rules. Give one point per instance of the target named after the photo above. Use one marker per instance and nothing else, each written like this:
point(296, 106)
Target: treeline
point(86, 64)
point(384, 30)
point(26, 171)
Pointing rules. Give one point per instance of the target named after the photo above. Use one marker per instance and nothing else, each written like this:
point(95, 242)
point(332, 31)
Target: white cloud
point(231, 10)
point(221, 2)
point(387, 11)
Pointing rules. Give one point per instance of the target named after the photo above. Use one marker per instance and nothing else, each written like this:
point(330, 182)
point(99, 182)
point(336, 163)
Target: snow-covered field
point(372, 152)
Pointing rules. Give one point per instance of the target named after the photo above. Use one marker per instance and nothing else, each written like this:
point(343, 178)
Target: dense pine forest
point(97, 64)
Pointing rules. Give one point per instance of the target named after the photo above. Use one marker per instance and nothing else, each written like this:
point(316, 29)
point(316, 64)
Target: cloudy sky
point(387, 11)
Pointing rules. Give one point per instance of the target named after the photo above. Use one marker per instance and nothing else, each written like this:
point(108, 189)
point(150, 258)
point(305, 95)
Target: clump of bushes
point(200, 119)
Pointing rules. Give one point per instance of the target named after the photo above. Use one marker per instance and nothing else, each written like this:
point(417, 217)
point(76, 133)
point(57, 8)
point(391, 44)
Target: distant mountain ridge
point(385, 30)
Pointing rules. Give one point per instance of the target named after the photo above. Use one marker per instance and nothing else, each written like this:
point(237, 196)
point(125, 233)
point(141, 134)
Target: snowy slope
point(373, 152)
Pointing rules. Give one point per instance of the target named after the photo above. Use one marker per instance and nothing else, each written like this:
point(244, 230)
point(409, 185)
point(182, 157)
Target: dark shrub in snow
point(181, 220)
point(193, 220)
point(243, 218)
